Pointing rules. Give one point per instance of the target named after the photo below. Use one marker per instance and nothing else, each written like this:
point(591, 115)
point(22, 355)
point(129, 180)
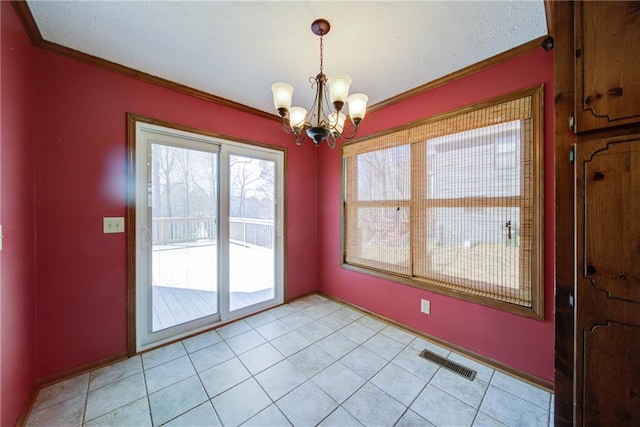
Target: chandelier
point(321, 123)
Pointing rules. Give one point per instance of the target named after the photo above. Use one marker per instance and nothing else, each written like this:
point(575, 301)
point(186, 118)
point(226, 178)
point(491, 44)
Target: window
point(453, 203)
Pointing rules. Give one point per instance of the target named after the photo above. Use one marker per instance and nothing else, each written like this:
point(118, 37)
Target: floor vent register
point(454, 367)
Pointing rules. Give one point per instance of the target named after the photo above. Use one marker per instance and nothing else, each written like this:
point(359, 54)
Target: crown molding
point(24, 13)
point(463, 72)
point(36, 38)
point(34, 34)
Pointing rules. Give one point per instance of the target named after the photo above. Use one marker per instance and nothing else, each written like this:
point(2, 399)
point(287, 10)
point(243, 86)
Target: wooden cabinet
point(607, 64)
point(597, 197)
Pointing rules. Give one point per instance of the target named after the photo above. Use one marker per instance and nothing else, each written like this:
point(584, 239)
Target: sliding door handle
point(147, 239)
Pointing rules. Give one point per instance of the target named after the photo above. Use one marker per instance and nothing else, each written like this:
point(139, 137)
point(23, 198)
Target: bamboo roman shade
point(452, 203)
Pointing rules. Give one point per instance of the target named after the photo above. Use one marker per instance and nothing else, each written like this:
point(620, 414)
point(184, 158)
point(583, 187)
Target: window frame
point(535, 185)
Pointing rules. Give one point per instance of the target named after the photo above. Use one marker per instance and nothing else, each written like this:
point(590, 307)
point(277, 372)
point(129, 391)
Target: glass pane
point(184, 235)
point(475, 245)
point(481, 162)
point(381, 239)
point(385, 174)
point(251, 231)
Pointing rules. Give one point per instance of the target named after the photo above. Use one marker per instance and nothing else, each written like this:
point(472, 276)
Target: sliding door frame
point(227, 144)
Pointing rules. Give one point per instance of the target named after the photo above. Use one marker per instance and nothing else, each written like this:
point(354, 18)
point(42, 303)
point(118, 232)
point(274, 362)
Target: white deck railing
point(257, 232)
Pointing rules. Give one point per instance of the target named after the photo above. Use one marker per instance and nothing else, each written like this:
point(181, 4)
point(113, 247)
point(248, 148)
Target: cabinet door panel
point(607, 36)
point(612, 233)
point(606, 381)
point(607, 374)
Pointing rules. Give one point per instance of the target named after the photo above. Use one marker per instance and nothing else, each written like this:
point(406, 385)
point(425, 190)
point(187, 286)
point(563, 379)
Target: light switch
point(112, 225)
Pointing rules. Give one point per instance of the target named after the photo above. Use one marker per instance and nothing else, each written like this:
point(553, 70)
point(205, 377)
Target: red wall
point(520, 342)
point(17, 258)
point(80, 162)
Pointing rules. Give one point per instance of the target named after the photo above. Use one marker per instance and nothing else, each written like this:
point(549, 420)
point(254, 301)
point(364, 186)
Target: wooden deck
point(172, 306)
point(185, 280)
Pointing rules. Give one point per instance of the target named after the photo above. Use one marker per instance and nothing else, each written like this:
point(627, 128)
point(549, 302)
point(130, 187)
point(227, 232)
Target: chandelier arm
point(329, 107)
point(351, 134)
point(285, 127)
point(313, 108)
point(320, 94)
point(331, 140)
point(300, 137)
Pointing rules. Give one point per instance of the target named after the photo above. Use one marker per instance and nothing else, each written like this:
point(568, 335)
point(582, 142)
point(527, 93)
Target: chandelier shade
point(358, 107)
point(282, 95)
point(324, 121)
point(297, 116)
point(339, 88)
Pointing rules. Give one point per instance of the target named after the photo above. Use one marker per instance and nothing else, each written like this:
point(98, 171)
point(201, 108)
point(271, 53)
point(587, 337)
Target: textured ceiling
point(237, 49)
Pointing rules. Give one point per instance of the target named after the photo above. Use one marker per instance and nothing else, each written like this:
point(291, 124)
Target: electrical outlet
point(112, 225)
point(425, 306)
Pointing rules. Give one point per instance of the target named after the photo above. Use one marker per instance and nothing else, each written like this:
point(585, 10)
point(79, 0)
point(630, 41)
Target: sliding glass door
point(208, 239)
point(184, 233)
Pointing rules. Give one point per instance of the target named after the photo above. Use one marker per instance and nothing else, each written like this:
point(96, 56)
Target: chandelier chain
point(321, 55)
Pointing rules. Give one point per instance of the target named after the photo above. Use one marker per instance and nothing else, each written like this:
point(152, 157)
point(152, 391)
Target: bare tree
point(186, 178)
point(243, 173)
point(164, 158)
point(267, 186)
point(212, 178)
point(386, 174)
point(204, 182)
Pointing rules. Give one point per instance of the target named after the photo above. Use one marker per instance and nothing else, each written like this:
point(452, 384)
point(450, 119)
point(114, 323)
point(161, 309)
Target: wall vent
point(454, 367)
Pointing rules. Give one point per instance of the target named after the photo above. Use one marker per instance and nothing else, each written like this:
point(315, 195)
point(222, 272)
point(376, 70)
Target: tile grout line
point(79, 394)
point(366, 381)
point(200, 379)
point(418, 394)
point(252, 376)
point(170, 385)
point(273, 402)
point(86, 399)
point(146, 390)
point(308, 379)
point(184, 379)
point(524, 399)
point(486, 390)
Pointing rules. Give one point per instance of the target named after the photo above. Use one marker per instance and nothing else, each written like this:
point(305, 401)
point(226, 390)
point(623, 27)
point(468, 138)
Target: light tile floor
point(311, 362)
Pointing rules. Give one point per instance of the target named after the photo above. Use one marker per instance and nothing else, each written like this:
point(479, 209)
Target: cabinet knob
point(616, 91)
